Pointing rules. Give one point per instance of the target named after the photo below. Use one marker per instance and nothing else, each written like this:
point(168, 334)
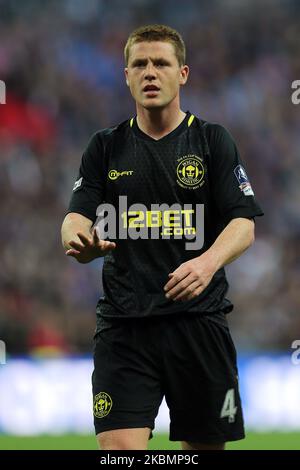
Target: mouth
point(151, 90)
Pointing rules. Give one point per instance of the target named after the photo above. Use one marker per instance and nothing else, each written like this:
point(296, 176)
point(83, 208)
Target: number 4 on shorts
point(229, 409)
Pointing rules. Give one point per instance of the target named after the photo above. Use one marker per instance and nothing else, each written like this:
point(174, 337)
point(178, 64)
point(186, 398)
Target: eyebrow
point(156, 60)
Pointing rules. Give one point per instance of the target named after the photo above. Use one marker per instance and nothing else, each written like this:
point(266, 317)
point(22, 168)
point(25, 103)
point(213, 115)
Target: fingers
point(187, 289)
point(85, 240)
point(73, 253)
point(102, 244)
point(195, 293)
point(106, 245)
point(89, 249)
point(95, 236)
point(188, 292)
point(76, 245)
point(176, 277)
point(181, 286)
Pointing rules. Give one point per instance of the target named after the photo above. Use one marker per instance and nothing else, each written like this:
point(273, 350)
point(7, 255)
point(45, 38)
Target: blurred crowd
point(62, 63)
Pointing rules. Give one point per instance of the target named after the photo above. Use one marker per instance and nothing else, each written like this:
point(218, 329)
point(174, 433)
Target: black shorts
point(188, 358)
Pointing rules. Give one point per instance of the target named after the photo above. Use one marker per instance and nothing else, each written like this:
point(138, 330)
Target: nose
point(150, 73)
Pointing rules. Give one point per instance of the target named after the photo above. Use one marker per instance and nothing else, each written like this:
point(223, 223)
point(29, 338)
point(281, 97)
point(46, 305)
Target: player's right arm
point(79, 239)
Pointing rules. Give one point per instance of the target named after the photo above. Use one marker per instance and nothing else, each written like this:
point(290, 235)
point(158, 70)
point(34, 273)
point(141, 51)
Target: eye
point(139, 65)
point(162, 64)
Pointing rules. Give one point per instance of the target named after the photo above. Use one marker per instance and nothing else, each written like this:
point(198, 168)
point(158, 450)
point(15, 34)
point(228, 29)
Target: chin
point(149, 107)
point(153, 105)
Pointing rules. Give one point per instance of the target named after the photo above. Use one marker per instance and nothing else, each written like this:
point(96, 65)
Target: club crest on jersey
point(190, 172)
point(244, 183)
point(102, 405)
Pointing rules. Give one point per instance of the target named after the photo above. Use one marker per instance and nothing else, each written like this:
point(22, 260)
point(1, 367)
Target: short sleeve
point(88, 190)
point(231, 187)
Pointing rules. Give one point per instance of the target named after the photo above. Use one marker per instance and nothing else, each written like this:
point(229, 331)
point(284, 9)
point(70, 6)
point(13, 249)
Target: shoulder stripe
point(131, 122)
point(191, 118)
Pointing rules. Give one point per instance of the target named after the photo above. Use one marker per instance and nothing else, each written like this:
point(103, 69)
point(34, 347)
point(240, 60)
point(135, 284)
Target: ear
point(184, 73)
point(126, 76)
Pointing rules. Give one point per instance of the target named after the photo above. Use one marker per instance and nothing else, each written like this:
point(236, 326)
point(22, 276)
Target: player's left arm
point(236, 204)
point(193, 276)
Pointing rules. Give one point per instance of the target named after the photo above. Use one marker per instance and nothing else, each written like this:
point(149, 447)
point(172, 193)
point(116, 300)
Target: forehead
point(152, 50)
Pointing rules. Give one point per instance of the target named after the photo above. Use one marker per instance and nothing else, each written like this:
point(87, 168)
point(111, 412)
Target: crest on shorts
point(102, 405)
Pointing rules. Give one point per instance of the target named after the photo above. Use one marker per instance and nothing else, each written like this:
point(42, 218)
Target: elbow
point(251, 239)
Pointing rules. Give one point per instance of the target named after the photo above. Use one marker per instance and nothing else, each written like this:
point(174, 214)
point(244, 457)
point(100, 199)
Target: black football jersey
point(198, 163)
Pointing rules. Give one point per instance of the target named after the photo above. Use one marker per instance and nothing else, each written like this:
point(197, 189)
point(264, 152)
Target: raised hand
point(89, 248)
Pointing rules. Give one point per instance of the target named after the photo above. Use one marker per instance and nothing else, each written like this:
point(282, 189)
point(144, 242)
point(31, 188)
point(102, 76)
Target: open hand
point(89, 248)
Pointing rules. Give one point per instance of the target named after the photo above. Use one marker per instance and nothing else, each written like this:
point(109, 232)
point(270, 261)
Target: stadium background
point(62, 64)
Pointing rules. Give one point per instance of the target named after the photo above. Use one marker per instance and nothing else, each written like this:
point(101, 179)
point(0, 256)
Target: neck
point(158, 122)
